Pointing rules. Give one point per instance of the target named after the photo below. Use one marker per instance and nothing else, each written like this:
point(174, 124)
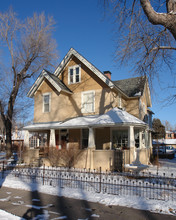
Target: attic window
point(74, 74)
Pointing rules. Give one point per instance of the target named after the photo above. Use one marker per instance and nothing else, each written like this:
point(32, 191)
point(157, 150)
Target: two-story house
point(79, 106)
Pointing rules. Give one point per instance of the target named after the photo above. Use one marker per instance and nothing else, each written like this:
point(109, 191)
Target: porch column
point(146, 139)
point(91, 141)
point(26, 138)
point(91, 147)
point(131, 142)
point(150, 139)
point(52, 142)
point(38, 141)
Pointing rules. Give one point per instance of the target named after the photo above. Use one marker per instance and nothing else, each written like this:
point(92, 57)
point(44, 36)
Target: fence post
point(100, 181)
point(43, 174)
point(3, 169)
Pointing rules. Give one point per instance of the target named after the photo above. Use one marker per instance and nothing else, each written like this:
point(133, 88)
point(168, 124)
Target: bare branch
point(31, 48)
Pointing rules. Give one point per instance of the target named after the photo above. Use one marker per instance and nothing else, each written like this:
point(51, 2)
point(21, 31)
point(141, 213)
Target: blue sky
point(81, 24)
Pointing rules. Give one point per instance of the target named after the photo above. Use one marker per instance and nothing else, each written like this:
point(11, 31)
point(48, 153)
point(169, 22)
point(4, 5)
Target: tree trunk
point(167, 20)
point(8, 127)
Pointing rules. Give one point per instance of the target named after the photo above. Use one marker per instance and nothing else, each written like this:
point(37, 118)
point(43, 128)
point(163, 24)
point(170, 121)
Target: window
point(46, 102)
point(74, 74)
point(119, 139)
point(88, 101)
point(33, 142)
point(169, 135)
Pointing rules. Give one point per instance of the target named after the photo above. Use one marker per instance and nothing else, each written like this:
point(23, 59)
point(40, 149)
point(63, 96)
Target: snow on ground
point(7, 216)
point(165, 167)
point(158, 206)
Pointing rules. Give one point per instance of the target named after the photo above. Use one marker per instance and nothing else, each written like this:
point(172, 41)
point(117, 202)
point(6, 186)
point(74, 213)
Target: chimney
point(107, 74)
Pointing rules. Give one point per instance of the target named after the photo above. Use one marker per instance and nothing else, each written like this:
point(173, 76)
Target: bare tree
point(28, 48)
point(147, 33)
point(167, 125)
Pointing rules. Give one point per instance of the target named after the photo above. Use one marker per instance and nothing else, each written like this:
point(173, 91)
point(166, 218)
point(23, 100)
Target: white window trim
point(48, 93)
point(82, 100)
point(74, 74)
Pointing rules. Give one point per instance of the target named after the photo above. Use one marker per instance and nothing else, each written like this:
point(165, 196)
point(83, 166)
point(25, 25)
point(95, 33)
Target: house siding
point(105, 98)
point(132, 107)
point(65, 106)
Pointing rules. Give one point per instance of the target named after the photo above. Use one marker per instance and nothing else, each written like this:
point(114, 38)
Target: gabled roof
point(54, 80)
point(133, 86)
point(72, 52)
point(130, 88)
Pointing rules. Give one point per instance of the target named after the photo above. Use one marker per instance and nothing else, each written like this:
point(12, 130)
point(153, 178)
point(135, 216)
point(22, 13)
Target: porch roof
point(114, 117)
point(42, 126)
point(117, 116)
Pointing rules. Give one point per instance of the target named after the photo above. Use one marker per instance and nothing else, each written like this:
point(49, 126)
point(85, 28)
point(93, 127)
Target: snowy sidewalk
point(34, 205)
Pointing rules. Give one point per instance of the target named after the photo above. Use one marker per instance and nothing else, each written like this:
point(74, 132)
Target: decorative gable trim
point(40, 79)
point(73, 52)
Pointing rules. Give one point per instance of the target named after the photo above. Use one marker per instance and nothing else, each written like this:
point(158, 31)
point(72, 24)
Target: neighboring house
point(164, 142)
point(80, 107)
point(170, 140)
point(170, 135)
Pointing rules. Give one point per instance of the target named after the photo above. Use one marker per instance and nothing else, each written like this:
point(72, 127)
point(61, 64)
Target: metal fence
point(145, 185)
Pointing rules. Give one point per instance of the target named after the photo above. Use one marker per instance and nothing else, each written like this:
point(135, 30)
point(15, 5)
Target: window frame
point(120, 139)
point(74, 74)
point(83, 110)
point(47, 94)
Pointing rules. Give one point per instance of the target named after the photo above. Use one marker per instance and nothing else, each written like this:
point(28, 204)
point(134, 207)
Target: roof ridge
point(128, 78)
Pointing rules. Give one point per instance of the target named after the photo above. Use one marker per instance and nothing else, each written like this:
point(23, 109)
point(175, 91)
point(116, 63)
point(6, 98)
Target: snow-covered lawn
point(7, 216)
point(158, 206)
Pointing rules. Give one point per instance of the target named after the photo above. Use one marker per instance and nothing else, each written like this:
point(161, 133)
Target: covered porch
point(108, 141)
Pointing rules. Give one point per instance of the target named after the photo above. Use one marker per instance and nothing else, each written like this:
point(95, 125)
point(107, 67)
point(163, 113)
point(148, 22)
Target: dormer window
point(74, 74)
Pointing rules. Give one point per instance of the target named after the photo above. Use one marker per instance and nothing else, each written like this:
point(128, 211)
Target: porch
point(100, 142)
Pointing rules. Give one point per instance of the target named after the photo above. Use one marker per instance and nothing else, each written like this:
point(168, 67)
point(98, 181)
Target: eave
point(44, 75)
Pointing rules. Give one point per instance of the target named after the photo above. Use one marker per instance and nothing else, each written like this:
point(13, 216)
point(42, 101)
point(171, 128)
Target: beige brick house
point(79, 106)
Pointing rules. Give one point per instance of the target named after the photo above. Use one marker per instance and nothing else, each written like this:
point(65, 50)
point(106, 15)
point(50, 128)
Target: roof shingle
point(133, 86)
